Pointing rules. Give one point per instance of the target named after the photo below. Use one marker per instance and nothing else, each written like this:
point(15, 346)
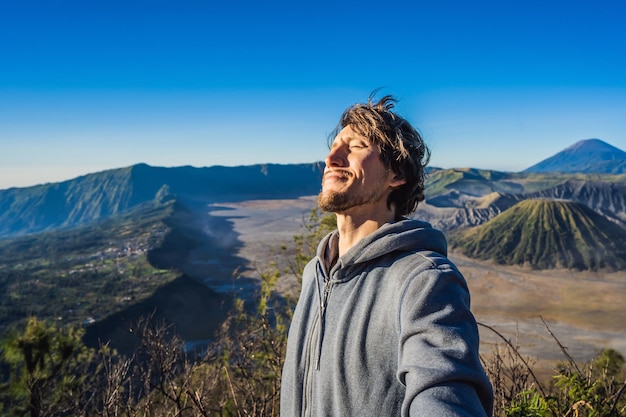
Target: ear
point(397, 181)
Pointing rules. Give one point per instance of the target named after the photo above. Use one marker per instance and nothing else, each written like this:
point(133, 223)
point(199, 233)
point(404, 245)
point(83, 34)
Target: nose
point(337, 157)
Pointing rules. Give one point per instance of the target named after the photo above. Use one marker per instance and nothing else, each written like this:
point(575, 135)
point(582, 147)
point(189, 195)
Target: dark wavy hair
point(402, 148)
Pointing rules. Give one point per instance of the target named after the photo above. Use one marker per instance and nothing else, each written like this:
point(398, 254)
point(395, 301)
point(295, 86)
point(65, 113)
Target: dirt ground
point(585, 311)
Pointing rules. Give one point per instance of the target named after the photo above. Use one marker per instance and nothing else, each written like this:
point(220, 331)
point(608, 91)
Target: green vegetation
point(547, 234)
point(594, 389)
point(304, 247)
point(238, 374)
point(53, 374)
point(85, 273)
point(51, 371)
point(470, 181)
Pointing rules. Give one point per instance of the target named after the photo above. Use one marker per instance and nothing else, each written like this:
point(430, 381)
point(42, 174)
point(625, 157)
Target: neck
point(353, 227)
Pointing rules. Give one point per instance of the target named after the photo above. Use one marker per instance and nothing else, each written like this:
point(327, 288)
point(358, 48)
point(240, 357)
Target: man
point(383, 324)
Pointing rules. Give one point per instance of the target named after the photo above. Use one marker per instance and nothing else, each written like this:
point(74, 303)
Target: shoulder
point(414, 262)
point(428, 275)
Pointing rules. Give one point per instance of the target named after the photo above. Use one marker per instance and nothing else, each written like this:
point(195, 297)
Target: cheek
point(373, 164)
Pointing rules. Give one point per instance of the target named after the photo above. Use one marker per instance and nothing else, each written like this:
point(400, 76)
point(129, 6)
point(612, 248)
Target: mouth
point(337, 175)
point(334, 179)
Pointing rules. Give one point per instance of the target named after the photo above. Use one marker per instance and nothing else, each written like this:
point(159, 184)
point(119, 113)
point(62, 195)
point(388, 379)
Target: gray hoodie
point(386, 332)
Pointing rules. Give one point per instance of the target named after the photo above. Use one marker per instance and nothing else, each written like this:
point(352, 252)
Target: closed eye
point(358, 145)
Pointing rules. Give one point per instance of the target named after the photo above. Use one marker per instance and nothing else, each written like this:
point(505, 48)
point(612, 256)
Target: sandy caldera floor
point(586, 311)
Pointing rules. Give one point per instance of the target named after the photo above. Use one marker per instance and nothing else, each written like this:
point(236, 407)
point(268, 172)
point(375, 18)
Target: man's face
point(355, 177)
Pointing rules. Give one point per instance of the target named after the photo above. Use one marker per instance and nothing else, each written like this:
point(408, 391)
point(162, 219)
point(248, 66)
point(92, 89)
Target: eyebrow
point(349, 138)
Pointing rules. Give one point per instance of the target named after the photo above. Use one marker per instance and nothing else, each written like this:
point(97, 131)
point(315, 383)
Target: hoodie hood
point(407, 235)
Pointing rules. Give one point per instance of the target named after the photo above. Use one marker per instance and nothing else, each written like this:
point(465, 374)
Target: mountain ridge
point(107, 193)
point(457, 197)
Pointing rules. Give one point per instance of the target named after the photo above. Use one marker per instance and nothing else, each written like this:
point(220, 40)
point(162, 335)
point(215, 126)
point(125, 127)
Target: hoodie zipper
point(317, 335)
point(309, 372)
point(328, 286)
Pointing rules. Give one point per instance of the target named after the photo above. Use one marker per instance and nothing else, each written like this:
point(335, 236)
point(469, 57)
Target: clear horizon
point(235, 165)
point(91, 87)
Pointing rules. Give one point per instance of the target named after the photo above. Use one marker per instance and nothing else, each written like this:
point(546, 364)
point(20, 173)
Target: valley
point(222, 248)
point(186, 241)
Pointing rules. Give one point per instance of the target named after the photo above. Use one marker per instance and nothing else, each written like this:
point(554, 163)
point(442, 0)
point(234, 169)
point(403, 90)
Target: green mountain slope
point(100, 195)
point(479, 182)
point(547, 234)
point(114, 271)
point(90, 271)
point(470, 181)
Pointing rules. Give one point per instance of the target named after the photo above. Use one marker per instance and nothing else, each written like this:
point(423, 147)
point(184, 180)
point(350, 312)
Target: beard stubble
point(341, 201)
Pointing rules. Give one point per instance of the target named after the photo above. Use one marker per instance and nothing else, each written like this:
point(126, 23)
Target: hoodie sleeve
point(438, 358)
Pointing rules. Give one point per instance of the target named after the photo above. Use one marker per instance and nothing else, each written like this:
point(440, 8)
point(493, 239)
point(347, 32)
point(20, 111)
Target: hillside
point(586, 156)
point(607, 197)
point(459, 198)
point(100, 195)
point(112, 271)
point(547, 234)
point(471, 181)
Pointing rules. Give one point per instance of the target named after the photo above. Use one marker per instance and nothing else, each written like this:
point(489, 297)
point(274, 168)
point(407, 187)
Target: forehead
point(348, 133)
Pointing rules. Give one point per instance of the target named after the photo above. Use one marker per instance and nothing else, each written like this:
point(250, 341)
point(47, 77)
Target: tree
point(51, 371)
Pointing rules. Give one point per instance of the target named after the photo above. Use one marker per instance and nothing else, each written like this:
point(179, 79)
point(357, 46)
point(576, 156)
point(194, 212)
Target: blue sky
point(92, 85)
